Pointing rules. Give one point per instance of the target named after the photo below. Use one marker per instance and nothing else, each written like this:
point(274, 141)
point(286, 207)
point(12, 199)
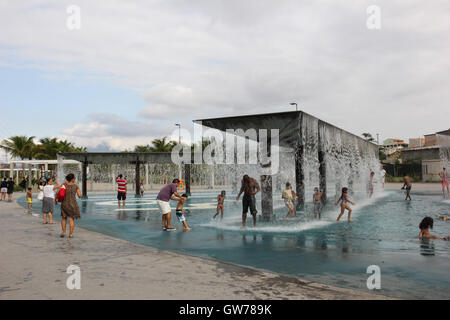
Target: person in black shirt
point(10, 187)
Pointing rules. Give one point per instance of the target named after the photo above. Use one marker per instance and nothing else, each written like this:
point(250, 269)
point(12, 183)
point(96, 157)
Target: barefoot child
point(318, 202)
point(407, 185)
point(29, 200)
point(180, 213)
point(425, 225)
point(220, 200)
point(288, 197)
point(344, 199)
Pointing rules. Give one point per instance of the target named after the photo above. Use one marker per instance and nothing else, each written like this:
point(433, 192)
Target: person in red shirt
point(121, 190)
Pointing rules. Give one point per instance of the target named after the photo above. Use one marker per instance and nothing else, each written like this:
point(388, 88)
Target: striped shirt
point(121, 185)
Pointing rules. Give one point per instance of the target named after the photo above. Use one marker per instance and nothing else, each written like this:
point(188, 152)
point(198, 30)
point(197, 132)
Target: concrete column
point(11, 170)
point(212, 176)
point(299, 177)
point(113, 177)
point(146, 174)
point(322, 161)
point(138, 179)
point(84, 178)
point(187, 178)
point(266, 197)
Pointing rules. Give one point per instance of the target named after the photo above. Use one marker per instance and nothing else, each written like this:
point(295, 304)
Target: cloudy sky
point(135, 68)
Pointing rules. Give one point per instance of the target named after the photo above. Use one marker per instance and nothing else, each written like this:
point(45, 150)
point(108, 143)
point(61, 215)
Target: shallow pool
point(383, 232)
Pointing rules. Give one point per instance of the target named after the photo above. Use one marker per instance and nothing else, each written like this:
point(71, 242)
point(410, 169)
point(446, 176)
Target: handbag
point(61, 193)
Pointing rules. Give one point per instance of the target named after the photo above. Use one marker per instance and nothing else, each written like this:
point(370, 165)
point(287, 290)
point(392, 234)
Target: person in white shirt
point(383, 176)
point(48, 204)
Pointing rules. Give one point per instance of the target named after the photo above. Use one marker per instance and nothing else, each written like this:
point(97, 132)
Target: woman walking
point(48, 203)
point(69, 206)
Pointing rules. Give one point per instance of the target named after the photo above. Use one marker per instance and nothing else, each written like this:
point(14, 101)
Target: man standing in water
point(444, 179)
point(249, 187)
point(164, 195)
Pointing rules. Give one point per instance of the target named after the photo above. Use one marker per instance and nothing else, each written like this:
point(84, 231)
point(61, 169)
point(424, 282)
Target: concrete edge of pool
point(34, 262)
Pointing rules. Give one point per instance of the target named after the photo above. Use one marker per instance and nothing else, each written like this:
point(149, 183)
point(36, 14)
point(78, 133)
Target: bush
point(400, 179)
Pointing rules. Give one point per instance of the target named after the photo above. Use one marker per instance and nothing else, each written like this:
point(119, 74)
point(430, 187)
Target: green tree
point(50, 147)
point(19, 147)
point(162, 145)
point(368, 137)
point(141, 148)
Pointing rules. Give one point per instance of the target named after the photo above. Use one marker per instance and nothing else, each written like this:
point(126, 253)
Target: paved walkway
point(33, 262)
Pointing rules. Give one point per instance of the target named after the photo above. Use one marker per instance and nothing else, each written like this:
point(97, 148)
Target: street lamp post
point(292, 103)
point(179, 132)
point(179, 142)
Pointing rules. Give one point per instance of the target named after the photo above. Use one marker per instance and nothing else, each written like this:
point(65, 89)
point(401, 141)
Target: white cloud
point(207, 58)
point(113, 132)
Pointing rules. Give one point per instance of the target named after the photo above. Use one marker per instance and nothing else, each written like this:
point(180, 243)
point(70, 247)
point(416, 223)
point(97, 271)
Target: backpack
point(61, 193)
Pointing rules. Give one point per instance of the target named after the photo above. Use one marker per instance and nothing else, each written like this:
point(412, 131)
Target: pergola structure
point(136, 158)
point(32, 163)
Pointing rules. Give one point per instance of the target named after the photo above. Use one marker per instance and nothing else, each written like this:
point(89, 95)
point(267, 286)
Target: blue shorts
point(180, 215)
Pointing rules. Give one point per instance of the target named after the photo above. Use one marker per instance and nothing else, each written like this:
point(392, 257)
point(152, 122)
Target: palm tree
point(368, 137)
point(162, 145)
point(47, 149)
point(19, 147)
point(146, 148)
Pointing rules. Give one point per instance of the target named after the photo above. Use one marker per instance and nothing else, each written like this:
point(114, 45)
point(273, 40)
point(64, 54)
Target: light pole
point(179, 142)
point(292, 103)
point(179, 132)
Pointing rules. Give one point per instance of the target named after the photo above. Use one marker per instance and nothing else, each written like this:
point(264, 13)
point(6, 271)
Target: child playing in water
point(318, 202)
point(220, 200)
point(288, 197)
point(425, 225)
point(344, 199)
point(407, 185)
point(180, 213)
point(370, 186)
point(29, 200)
point(445, 218)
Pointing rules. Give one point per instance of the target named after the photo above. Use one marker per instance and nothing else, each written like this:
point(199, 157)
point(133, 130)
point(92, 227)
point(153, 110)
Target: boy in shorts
point(180, 213)
point(318, 202)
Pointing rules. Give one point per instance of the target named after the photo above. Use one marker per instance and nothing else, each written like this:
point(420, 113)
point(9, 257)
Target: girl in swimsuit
point(344, 199)
point(220, 200)
point(424, 226)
